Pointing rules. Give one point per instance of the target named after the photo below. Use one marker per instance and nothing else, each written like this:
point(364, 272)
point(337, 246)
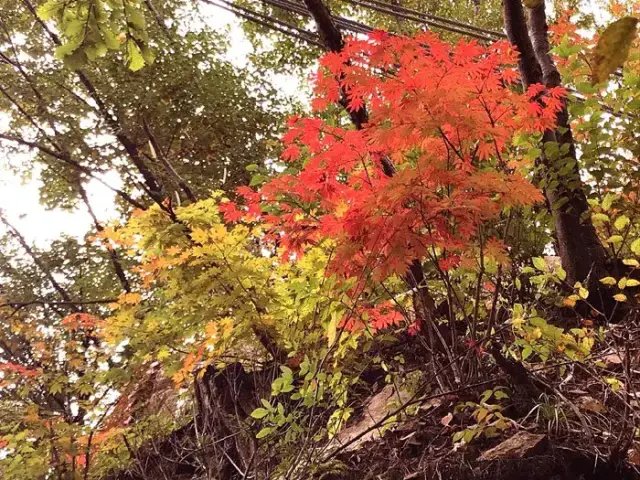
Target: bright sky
point(19, 198)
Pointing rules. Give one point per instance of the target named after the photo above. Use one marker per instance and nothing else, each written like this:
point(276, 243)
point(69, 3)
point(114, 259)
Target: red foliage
point(376, 318)
point(77, 321)
point(10, 367)
point(445, 116)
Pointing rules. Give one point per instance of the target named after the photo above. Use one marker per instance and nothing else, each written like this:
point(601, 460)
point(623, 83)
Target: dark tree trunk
point(581, 252)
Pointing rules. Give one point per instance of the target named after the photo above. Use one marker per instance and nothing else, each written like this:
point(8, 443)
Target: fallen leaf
point(433, 403)
point(521, 445)
point(612, 359)
point(446, 420)
point(633, 455)
point(590, 404)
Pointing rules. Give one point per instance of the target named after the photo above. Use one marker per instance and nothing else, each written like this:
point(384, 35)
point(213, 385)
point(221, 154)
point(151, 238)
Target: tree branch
point(22, 304)
point(115, 261)
point(517, 33)
point(64, 156)
point(580, 250)
point(54, 283)
point(157, 153)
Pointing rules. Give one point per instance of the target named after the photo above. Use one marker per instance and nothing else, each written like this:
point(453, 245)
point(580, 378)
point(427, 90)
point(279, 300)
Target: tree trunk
point(582, 254)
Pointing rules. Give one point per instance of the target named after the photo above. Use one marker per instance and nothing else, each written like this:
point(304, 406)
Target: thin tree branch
point(63, 156)
point(157, 153)
point(22, 304)
point(54, 283)
point(115, 261)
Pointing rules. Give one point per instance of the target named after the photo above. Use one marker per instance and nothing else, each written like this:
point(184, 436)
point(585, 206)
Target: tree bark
point(581, 252)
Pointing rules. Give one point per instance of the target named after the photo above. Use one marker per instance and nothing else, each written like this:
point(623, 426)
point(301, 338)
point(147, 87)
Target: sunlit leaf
point(613, 47)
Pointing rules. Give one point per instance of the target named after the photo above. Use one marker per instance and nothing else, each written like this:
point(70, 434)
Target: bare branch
point(43, 268)
point(65, 157)
point(115, 261)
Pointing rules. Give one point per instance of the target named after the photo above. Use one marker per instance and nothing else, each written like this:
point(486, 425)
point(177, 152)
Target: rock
point(613, 361)
point(521, 445)
point(375, 411)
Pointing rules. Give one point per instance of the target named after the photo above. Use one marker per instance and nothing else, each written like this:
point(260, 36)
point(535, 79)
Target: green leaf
point(136, 19)
point(332, 328)
point(612, 49)
point(621, 222)
point(48, 10)
point(56, 387)
point(259, 413)
point(135, 60)
point(148, 55)
point(600, 217)
point(468, 435)
point(608, 201)
point(110, 38)
point(635, 246)
point(96, 51)
point(74, 27)
point(84, 388)
point(500, 394)
point(66, 49)
point(539, 263)
point(608, 281)
point(615, 239)
point(264, 432)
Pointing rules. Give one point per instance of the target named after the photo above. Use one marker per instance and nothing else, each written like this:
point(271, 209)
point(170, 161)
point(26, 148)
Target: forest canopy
point(346, 239)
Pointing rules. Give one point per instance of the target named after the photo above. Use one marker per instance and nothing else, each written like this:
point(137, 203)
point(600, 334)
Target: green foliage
point(91, 28)
point(207, 118)
point(488, 417)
